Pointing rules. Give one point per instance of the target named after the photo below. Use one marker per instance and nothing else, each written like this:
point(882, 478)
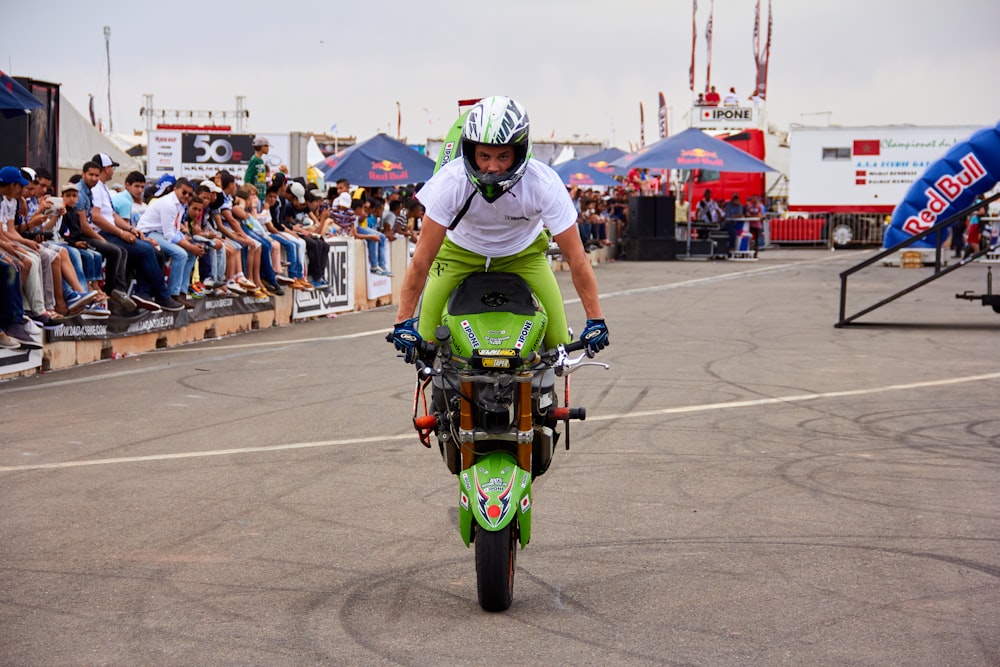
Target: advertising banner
point(199, 155)
point(339, 297)
point(84, 328)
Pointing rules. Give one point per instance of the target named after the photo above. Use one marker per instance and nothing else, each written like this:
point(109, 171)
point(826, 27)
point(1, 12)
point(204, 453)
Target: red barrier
point(796, 229)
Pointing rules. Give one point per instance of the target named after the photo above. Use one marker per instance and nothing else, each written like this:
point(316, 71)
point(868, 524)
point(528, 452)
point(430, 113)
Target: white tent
point(79, 141)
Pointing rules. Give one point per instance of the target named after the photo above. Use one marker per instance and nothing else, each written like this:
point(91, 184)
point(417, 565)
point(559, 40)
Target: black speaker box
point(651, 217)
point(651, 249)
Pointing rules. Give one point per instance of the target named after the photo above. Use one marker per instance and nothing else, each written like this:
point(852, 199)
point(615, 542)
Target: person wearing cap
point(86, 260)
point(115, 257)
point(151, 288)
point(257, 170)
point(38, 281)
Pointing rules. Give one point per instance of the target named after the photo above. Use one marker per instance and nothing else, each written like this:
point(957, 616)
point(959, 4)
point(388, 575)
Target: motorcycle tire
point(495, 558)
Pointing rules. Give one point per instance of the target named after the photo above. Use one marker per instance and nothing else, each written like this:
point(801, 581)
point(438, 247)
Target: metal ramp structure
point(940, 232)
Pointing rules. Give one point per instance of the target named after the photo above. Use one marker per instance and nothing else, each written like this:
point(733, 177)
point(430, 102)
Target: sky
point(580, 68)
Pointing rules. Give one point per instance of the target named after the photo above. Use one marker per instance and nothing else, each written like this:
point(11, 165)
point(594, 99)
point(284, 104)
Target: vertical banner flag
point(694, 41)
point(662, 117)
point(761, 57)
point(708, 40)
point(756, 48)
point(642, 126)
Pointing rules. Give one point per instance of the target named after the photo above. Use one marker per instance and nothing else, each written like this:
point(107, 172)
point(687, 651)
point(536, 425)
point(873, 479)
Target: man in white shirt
point(163, 222)
point(494, 209)
point(151, 288)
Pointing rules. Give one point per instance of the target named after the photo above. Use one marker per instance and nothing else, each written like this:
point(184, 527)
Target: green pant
point(453, 264)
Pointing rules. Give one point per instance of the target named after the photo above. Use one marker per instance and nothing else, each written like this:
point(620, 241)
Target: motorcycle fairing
point(494, 492)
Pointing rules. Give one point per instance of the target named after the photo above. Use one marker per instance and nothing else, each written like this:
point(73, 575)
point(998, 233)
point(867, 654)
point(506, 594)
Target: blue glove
point(595, 335)
point(406, 339)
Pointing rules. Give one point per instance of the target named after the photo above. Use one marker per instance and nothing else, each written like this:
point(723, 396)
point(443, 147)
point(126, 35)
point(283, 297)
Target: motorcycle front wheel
point(495, 556)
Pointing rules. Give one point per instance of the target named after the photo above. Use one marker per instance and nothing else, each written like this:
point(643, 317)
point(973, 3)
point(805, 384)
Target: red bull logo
point(580, 179)
point(602, 166)
point(700, 157)
point(387, 170)
point(386, 165)
point(946, 189)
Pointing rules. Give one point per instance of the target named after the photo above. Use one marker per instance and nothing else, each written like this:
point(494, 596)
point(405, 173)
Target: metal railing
point(939, 231)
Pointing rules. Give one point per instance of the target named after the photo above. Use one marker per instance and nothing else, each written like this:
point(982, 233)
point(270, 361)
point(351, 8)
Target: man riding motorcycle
point(495, 211)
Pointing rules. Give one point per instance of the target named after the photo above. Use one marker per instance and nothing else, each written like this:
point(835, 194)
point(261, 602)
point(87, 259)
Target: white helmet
point(496, 121)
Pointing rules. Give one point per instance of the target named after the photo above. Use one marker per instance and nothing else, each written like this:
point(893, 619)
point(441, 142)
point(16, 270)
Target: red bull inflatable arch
point(967, 170)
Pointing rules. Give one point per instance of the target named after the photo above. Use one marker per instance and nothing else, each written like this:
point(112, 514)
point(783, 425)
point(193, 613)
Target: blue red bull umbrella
point(692, 149)
point(380, 160)
point(15, 100)
point(578, 172)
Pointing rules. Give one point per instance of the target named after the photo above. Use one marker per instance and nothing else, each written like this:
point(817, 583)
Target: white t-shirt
point(508, 225)
point(8, 212)
point(102, 201)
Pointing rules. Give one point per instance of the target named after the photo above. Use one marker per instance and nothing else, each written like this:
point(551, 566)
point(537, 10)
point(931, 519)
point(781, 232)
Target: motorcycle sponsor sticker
point(465, 480)
point(494, 498)
point(497, 353)
point(496, 363)
point(497, 341)
point(525, 504)
point(467, 328)
point(464, 501)
point(524, 480)
point(525, 330)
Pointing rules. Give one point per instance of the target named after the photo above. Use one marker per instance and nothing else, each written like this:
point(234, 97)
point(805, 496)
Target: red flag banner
point(642, 126)
point(694, 41)
point(867, 147)
point(708, 40)
point(662, 116)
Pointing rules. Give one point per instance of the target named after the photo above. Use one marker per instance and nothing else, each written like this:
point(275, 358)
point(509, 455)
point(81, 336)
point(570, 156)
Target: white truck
point(847, 180)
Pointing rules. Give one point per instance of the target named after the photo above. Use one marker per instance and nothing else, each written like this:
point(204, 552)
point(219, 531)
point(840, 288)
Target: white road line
point(729, 405)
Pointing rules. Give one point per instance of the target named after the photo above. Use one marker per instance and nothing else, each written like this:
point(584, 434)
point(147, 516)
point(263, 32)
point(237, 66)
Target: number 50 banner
point(197, 155)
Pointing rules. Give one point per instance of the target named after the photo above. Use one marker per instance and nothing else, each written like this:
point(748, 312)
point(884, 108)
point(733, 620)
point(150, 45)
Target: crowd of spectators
point(80, 250)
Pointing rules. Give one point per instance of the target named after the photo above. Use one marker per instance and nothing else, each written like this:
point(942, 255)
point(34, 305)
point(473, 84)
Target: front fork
point(495, 489)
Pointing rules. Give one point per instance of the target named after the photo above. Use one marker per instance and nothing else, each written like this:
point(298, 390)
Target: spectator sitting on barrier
point(414, 218)
point(16, 331)
point(213, 251)
point(215, 263)
point(245, 205)
point(222, 216)
point(235, 276)
point(130, 204)
point(87, 262)
point(82, 228)
point(399, 222)
point(295, 247)
point(36, 285)
point(599, 223)
point(294, 217)
point(163, 222)
point(42, 286)
point(151, 287)
point(755, 211)
point(733, 210)
point(376, 242)
point(259, 223)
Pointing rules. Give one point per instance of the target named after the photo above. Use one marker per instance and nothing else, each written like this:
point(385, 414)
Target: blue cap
point(10, 175)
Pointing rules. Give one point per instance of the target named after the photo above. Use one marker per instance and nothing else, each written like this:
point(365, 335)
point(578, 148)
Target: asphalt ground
point(752, 486)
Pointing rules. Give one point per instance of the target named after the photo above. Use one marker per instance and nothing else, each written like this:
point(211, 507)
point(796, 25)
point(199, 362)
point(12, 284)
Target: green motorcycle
point(495, 411)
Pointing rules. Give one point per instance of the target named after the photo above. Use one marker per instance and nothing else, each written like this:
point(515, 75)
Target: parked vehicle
point(853, 177)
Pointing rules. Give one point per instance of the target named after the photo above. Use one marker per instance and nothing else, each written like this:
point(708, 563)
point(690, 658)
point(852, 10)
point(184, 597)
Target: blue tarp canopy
point(692, 149)
point(15, 100)
point(379, 161)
